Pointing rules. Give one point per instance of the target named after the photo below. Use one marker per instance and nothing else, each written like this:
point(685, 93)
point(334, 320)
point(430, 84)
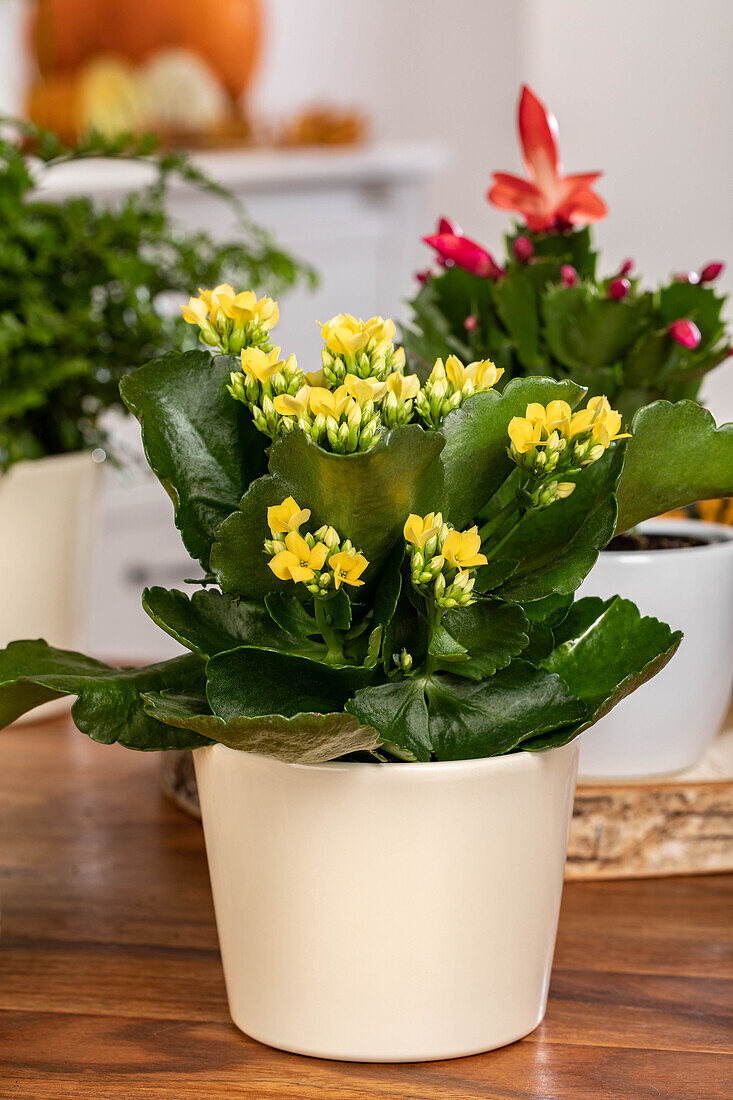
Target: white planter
point(46, 526)
point(387, 912)
point(667, 725)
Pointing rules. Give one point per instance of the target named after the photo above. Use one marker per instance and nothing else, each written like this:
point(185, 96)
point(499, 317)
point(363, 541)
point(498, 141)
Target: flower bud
point(471, 323)
point(686, 333)
point(423, 276)
point(711, 271)
point(523, 249)
point(686, 277)
point(568, 275)
point(626, 267)
point(618, 289)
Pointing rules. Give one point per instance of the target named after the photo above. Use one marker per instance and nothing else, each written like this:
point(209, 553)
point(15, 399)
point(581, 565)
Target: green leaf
point(516, 301)
point(676, 456)
point(302, 739)
point(469, 720)
point(585, 330)
point(606, 650)
point(696, 302)
point(199, 442)
point(557, 547)
point(492, 631)
point(248, 682)
point(365, 496)
point(108, 707)
point(445, 646)
point(210, 622)
point(398, 711)
point(288, 612)
point(338, 610)
point(475, 456)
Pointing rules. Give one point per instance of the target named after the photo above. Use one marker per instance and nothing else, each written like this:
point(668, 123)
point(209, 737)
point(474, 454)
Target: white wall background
point(642, 89)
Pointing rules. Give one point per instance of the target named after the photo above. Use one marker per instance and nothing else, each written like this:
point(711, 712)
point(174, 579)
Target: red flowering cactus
point(547, 200)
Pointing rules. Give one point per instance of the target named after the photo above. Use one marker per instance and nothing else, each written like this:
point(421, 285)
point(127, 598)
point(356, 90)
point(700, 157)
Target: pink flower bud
point(424, 275)
point(686, 277)
point(685, 332)
point(711, 271)
point(523, 249)
point(568, 275)
point(618, 289)
point(626, 267)
point(471, 323)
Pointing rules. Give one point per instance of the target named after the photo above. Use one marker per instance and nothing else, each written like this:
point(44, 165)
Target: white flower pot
point(47, 524)
point(667, 725)
point(387, 912)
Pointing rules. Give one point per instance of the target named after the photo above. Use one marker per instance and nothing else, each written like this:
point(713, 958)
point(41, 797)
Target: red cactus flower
point(471, 323)
point(452, 248)
point(618, 289)
point(424, 275)
point(626, 267)
point(523, 249)
point(685, 332)
point(547, 199)
point(568, 275)
point(711, 271)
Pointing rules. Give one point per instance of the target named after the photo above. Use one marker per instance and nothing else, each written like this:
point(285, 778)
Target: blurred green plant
point(82, 284)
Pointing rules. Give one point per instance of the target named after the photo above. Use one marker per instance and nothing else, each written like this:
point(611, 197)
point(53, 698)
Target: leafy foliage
point(81, 287)
point(529, 322)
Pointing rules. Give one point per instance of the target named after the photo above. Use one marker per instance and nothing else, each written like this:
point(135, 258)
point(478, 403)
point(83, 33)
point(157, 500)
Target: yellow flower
point(262, 365)
point(196, 312)
point(287, 516)
point(245, 306)
point(331, 405)
point(563, 489)
point(525, 432)
point(287, 405)
point(405, 387)
point(347, 335)
point(557, 417)
point(461, 549)
point(299, 561)
point(603, 422)
point(364, 390)
point(480, 375)
point(347, 566)
point(418, 530)
point(213, 297)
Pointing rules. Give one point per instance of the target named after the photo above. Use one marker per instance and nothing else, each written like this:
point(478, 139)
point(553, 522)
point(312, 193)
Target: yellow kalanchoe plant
point(388, 568)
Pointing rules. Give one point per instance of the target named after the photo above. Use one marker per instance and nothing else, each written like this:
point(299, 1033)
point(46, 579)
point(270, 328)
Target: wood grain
point(111, 986)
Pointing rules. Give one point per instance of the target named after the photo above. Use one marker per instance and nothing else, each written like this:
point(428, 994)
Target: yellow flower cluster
point(552, 439)
point(361, 348)
point(322, 561)
point(449, 385)
point(263, 379)
point(442, 559)
point(230, 321)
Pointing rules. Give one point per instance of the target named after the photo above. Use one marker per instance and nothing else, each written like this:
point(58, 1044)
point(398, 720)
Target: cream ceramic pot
point(667, 724)
point(46, 525)
point(386, 912)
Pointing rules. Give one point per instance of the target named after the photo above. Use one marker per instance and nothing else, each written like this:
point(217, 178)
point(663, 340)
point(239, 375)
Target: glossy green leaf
point(445, 646)
point(398, 711)
point(676, 456)
point(557, 547)
point(607, 650)
point(210, 622)
point(516, 302)
point(475, 456)
point(108, 707)
point(489, 718)
point(199, 441)
point(584, 329)
point(301, 739)
point(492, 631)
point(365, 496)
point(288, 612)
point(250, 682)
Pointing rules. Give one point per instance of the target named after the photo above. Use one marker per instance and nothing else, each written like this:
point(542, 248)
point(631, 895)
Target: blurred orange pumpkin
point(225, 33)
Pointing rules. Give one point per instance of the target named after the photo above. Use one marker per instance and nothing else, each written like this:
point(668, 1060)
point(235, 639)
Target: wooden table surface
point(111, 986)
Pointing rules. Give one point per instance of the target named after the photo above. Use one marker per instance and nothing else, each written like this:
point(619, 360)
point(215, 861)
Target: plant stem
point(335, 651)
point(490, 553)
point(434, 617)
point(498, 520)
